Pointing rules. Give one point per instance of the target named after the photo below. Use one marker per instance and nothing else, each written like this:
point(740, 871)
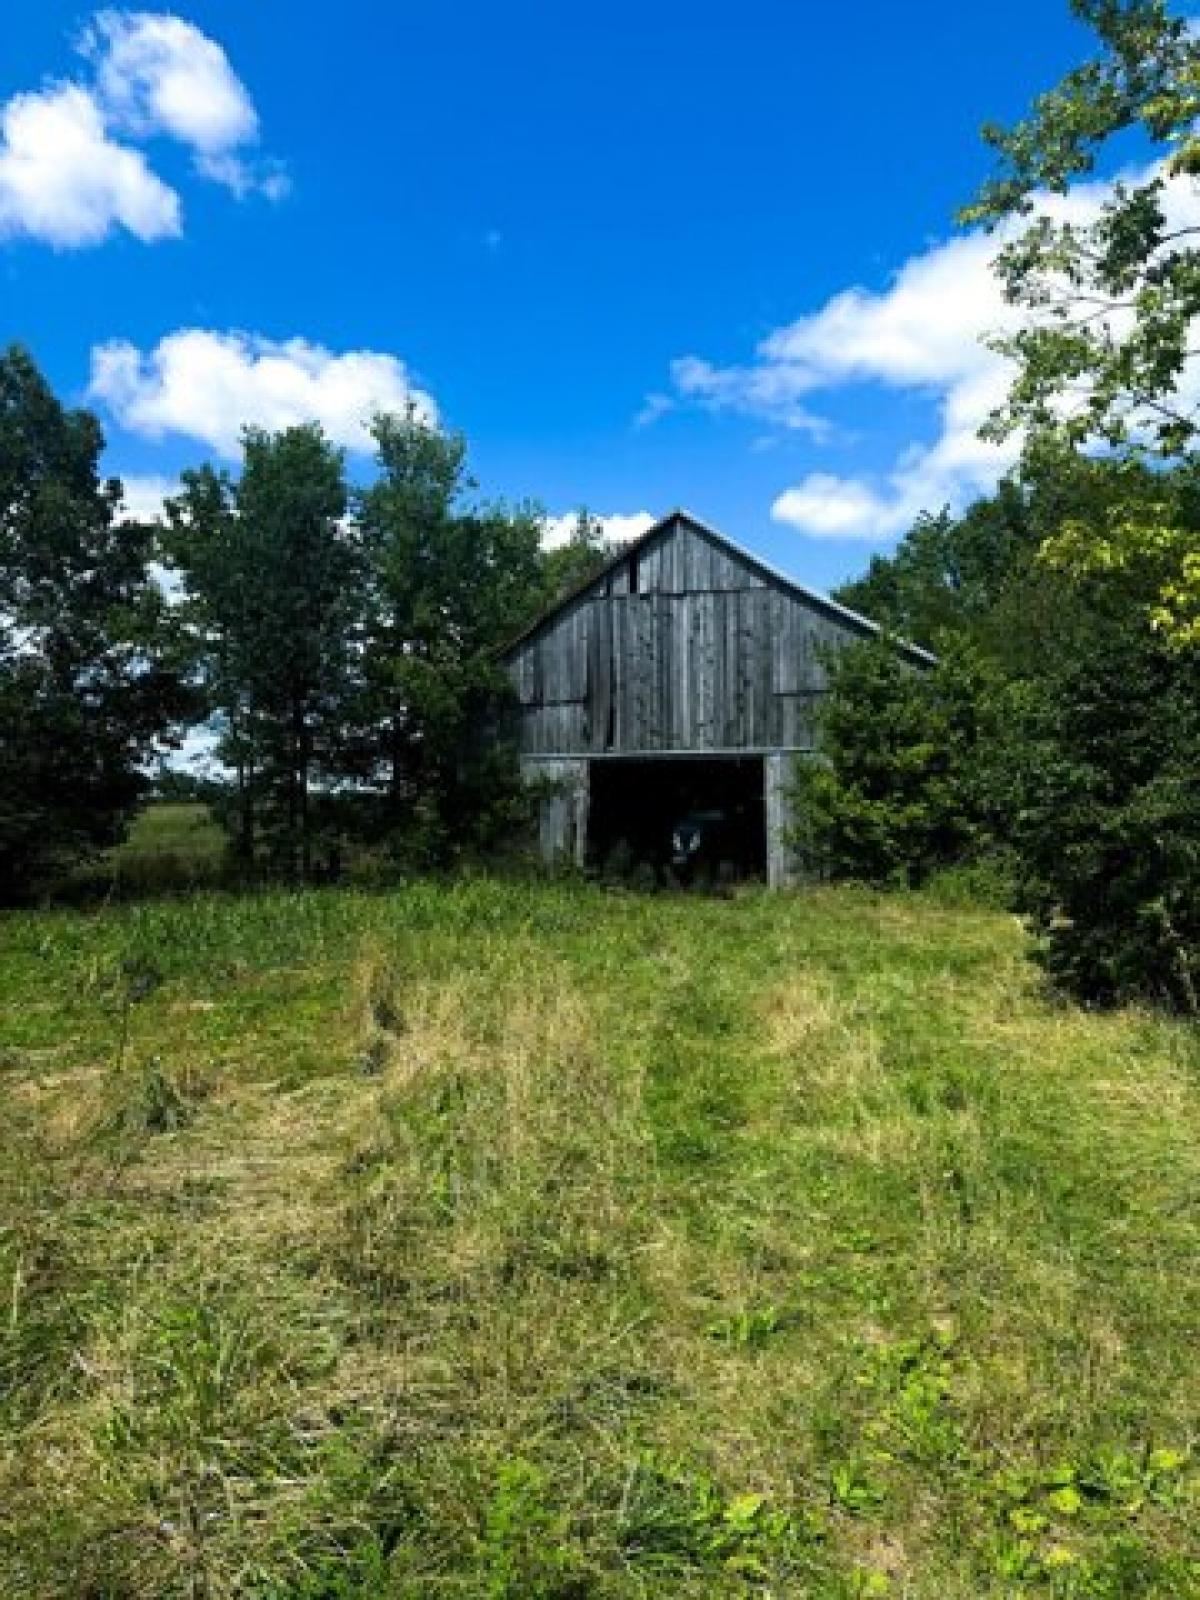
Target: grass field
point(172, 846)
point(503, 1241)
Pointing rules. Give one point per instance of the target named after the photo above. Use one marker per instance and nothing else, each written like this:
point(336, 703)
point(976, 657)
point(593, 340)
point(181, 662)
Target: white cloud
point(829, 507)
point(769, 390)
point(161, 74)
point(618, 527)
point(65, 182)
point(70, 169)
point(157, 74)
point(208, 386)
point(144, 496)
point(955, 468)
point(654, 406)
point(924, 333)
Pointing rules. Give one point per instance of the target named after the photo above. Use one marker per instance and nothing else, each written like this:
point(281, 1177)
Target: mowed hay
point(540, 1242)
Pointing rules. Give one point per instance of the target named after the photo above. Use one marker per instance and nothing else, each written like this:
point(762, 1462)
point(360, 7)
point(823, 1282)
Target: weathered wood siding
point(562, 818)
point(779, 779)
point(683, 647)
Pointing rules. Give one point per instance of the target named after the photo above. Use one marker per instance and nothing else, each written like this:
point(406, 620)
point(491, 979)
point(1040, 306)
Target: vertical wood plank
point(783, 866)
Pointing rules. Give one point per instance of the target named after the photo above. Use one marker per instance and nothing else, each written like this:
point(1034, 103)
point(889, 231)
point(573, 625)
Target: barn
point(677, 688)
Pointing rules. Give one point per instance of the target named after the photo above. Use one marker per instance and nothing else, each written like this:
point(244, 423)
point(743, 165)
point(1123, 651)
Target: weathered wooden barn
point(685, 676)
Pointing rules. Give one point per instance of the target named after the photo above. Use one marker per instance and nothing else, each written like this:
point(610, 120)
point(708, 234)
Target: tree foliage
point(951, 574)
point(1060, 733)
point(271, 577)
point(341, 644)
point(1105, 355)
point(89, 689)
point(580, 558)
point(1106, 829)
point(889, 800)
point(448, 582)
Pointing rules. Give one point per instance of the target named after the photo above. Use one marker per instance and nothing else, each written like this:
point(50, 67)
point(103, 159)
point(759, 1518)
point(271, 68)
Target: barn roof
point(822, 602)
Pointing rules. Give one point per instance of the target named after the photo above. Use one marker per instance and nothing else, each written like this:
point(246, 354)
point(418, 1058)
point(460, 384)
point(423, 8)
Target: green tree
point(1002, 575)
point(1059, 733)
point(580, 558)
point(88, 687)
point(449, 581)
point(950, 574)
point(1109, 303)
point(272, 578)
point(892, 796)
point(1101, 763)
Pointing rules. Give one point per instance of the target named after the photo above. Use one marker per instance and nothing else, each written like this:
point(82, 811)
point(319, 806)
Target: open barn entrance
point(686, 819)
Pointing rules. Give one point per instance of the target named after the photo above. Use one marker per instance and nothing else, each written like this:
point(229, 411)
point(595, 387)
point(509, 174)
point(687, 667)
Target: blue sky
point(641, 254)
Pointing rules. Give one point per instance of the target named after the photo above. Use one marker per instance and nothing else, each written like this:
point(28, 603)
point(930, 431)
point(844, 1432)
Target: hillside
point(511, 1241)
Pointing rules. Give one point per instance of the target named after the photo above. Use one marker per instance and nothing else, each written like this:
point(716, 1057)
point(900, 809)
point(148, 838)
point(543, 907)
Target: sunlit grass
point(535, 1241)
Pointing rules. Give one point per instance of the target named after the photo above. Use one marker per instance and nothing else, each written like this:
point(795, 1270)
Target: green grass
point(525, 1242)
point(172, 846)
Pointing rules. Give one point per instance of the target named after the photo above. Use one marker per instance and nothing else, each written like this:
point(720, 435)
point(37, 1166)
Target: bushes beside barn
point(1060, 735)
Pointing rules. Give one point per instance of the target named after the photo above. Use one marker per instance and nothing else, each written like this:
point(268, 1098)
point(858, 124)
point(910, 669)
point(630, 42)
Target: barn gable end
point(685, 646)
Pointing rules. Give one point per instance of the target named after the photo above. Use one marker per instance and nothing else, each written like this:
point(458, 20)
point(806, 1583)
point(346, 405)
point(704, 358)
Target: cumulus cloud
point(924, 333)
point(955, 468)
point(619, 527)
point(830, 507)
point(65, 182)
point(71, 172)
point(157, 74)
point(208, 386)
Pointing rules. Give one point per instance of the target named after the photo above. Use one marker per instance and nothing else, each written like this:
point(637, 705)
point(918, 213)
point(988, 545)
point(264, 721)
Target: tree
point(88, 689)
point(570, 565)
point(891, 797)
point(950, 574)
point(1059, 734)
point(1103, 755)
point(449, 581)
point(273, 587)
point(1106, 353)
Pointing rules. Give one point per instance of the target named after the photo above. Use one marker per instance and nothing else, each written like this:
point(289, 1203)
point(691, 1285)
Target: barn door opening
point(681, 818)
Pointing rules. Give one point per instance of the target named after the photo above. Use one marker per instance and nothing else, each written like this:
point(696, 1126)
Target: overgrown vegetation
point(523, 1242)
point(537, 1242)
point(1057, 739)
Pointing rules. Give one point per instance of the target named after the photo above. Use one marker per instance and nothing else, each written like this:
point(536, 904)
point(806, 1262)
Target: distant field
point(537, 1242)
point(172, 845)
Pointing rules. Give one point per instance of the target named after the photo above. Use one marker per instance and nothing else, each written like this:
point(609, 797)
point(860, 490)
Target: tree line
point(338, 641)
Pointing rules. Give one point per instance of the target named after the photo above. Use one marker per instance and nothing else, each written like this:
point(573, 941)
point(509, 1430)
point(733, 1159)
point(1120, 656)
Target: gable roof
point(821, 602)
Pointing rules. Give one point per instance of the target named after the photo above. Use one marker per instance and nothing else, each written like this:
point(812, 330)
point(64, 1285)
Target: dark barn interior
point(643, 809)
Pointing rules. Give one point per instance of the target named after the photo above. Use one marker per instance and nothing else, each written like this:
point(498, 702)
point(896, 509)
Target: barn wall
point(562, 809)
point(779, 777)
point(704, 655)
point(683, 648)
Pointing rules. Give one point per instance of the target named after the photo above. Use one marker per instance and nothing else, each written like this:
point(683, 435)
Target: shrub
point(1108, 825)
point(892, 799)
